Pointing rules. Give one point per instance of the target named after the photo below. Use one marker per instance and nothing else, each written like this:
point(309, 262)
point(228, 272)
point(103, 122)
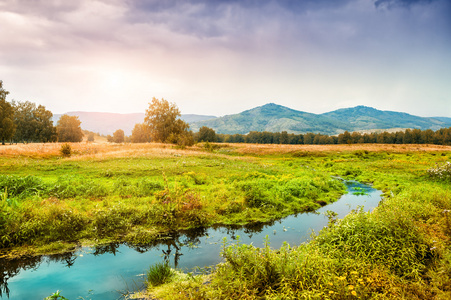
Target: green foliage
point(34, 123)
point(56, 296)
point(71, 186)
point(387, 237)
point(7, 126)
point(206, 134)
point(159, 273)
point(22, 187)
point(111, 220)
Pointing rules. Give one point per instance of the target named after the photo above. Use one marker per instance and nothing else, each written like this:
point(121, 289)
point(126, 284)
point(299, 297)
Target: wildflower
point(354, 293)
point(351, 287)
point(331, 292)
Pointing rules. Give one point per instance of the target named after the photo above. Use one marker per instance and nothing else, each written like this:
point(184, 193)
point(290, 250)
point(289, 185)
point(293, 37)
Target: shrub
point(66, 150)
point(441, 172)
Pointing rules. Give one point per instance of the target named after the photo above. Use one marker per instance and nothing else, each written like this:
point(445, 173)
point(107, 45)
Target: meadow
point(137, 193)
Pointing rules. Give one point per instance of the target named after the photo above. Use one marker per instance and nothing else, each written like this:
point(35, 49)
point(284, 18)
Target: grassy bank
point(137, 193)
point(400, 251)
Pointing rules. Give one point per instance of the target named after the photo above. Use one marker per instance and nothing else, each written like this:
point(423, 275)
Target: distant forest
point(408, 136)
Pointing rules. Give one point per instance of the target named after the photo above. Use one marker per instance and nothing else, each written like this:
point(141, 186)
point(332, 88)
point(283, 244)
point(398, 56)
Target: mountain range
point(274, 118)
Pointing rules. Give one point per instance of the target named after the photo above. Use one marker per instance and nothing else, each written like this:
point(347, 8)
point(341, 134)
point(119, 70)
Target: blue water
point(104, 272)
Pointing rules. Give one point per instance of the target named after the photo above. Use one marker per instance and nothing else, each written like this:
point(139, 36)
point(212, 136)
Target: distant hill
point(275, 118)
point(443, 119)
point(108, 123)
point(367, 118)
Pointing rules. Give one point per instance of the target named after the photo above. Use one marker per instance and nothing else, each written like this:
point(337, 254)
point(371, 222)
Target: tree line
point(408, 136)
point(162, 124)
point(26, 122)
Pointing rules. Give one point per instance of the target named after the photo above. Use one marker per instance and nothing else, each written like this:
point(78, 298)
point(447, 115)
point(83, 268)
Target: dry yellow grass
point(92, 150)
point(273, 149)
point(86, 150)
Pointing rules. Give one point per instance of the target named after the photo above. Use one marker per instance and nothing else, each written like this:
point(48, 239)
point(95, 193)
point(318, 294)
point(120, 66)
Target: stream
point(105, 272)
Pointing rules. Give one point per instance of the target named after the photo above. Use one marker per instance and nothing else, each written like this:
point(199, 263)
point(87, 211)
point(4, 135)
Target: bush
point(441, 172)
point(387, 237)
point(66, 150)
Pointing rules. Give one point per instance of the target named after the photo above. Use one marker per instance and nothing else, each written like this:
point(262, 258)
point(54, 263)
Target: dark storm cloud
point(217, 18)
point(405, 3)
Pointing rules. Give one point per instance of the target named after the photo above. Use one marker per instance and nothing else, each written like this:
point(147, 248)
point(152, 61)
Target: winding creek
point(103, 272)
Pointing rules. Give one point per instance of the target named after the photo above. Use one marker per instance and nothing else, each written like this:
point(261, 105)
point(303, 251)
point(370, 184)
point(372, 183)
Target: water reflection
point(104, 268)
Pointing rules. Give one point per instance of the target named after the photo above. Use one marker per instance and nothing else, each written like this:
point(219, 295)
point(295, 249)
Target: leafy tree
point(344, 138)
point(165, 125)
point(69, 130)
point(91, 137)
point(206, 134)
point(140, 134)
point(7, 126)
point(118, 136)
point(34, 124)
point(284, 139)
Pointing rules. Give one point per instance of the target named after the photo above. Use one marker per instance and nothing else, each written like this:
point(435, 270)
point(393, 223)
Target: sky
point(222, 57)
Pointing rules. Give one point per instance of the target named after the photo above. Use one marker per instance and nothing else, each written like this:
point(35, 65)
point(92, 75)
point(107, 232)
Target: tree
point(140, 134)
point(69, 130)
point(7, 126)
point(284, 139)
point(206, 134)
point(118, 136)
point(344, 138)
point(165, 125)
point(34, 124)
point(91, 136)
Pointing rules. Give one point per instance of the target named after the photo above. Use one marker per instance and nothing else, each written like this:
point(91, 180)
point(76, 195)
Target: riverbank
point(400, 251)
point(139, 193)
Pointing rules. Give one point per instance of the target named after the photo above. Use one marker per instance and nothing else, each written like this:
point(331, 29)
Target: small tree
point(91, 137)
point(7, 126)
point(206, 134)
point(165, 125)
point(118, 136)
point(69, 130)
point(140, 134)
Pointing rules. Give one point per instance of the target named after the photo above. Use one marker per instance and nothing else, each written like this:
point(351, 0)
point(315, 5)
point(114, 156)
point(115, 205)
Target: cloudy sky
point(221, 57)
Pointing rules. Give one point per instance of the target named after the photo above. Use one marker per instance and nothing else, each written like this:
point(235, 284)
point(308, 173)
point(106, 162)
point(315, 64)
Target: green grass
point(159, 273)
point(118, 198)
point(400, 251)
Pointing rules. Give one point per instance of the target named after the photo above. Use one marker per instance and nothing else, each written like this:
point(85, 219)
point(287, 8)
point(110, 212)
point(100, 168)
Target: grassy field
point(138, 192)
